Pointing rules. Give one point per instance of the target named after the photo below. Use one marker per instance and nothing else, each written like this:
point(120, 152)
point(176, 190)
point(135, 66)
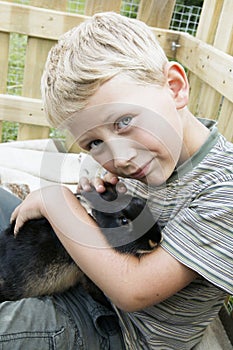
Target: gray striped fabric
point(195, 210)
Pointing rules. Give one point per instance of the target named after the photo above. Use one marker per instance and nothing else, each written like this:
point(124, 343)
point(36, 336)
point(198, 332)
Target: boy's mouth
point(141, 172)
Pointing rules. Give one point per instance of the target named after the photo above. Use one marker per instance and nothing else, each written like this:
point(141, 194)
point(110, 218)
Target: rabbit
point(35, 263)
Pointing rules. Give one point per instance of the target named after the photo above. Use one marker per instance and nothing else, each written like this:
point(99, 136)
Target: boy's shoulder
point(210, 162)
point(214, 158)
point(217, 141)
point(220, 156)
point(212, 166)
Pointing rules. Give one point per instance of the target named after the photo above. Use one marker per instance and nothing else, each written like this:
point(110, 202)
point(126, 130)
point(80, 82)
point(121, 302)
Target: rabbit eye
point(123, 221)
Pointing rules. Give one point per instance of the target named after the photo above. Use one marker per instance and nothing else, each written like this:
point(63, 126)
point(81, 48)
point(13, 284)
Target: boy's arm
point(130, 283)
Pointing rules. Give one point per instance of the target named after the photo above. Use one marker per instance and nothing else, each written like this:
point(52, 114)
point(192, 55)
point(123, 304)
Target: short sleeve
point(201, 235)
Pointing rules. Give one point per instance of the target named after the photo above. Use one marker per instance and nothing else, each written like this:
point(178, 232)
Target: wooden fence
point(208, 56)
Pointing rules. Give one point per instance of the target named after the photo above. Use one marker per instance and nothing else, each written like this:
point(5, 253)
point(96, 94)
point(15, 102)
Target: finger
point(14, 214)
point(98, 183)
point(84, 185)
point(114, 180)
point(111, 178)
point(23, 216)
point(121, 188)
point(18, 224)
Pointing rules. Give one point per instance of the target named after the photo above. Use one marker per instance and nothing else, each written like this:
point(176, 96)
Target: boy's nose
point(122, 154)
point(122, 151)
point(121, 162)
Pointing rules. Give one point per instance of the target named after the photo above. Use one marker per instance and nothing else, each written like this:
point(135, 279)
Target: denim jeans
point(8, 202)
point(66, 321)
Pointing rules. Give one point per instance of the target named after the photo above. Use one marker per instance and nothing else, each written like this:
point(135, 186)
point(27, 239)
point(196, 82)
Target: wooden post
point(210, 101)
point(224, 41)
point(4, 39)
point(156, 13)
point(202, 103)
point(94, 6)
point(208, 23)
point(225, 121)
point(59, 5)
point(215, 28)
point(37, 51)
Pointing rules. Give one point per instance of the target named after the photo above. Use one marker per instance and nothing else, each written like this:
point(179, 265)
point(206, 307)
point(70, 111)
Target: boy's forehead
point(114, 89)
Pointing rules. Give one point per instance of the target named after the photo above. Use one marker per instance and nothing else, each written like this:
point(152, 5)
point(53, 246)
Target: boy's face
point(132, 130)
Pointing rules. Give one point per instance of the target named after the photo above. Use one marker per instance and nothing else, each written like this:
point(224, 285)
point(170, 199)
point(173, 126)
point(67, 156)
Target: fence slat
point(225, 121)
point(94, 6)
point(206, 31)
point(50, 24)
point(223, 38)
point(35, 21)
point(166, 39)
point(37, 51)
point(22, 110)
point(210, 64)
point(210, 100)
point(4, 39)
point(214, 28)
point(194, 92)
point(59, 5)
point(208, 22)
point(156, 13)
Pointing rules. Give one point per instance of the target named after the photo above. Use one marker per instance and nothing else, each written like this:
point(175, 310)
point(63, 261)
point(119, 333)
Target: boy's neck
point(194, 136)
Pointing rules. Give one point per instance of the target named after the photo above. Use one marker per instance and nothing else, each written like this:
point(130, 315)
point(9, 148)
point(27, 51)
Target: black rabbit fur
point(35, 263)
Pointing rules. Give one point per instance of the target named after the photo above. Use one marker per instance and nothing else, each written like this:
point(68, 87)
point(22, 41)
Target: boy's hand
point(30, 208)
point(99, 183)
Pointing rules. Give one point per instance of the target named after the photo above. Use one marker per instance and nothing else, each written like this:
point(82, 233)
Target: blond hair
point(98, 49)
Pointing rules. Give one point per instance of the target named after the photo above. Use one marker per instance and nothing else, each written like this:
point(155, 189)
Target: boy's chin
point(154, 180)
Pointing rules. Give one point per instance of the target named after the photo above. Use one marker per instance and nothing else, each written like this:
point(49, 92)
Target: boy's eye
point(124, 122)
point(93, 144)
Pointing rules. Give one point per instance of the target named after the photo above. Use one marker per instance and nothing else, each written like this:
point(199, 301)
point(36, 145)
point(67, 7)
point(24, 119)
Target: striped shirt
point(195, 211)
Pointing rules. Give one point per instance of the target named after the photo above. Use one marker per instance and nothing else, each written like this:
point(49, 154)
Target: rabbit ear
point(109, 201)
point(110, 194)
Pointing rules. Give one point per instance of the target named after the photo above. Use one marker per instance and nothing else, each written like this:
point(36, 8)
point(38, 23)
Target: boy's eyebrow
point(110, 117)
point(85, 136)
point(82, 141)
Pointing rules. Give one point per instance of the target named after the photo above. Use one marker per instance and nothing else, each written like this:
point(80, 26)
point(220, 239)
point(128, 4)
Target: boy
point(110, 83)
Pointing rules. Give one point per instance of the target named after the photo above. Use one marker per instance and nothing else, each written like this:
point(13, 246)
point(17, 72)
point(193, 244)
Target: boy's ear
point(178, 83)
